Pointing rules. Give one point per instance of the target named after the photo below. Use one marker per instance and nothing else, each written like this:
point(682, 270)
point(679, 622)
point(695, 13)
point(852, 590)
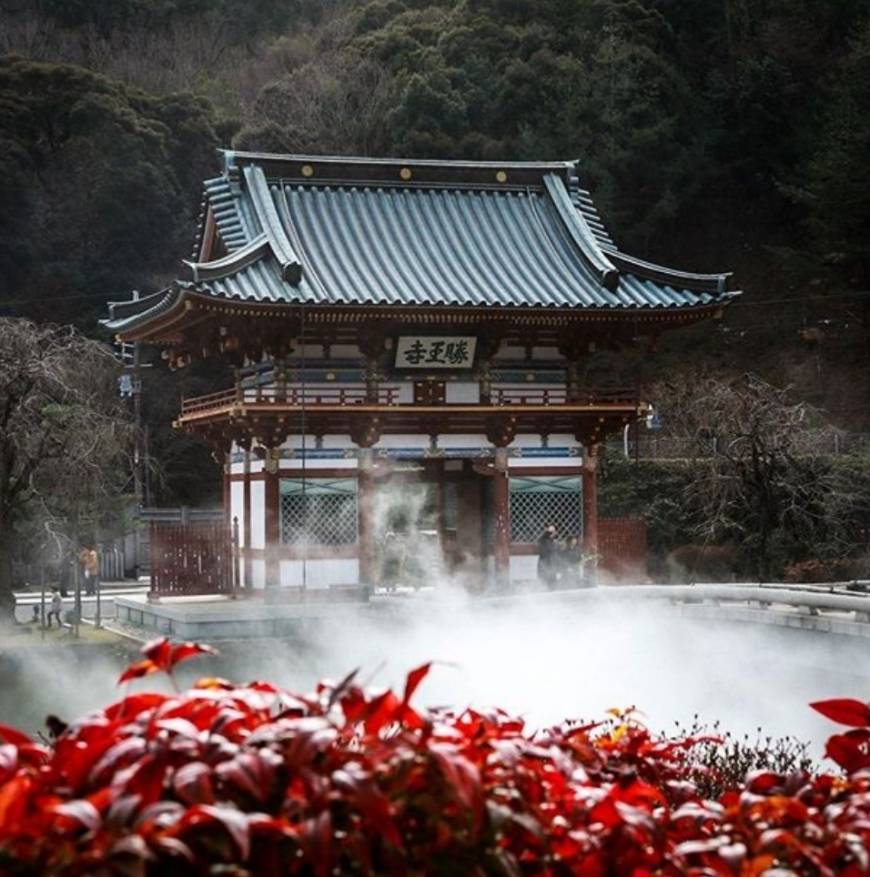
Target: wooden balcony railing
point(311, 394)
point(559, 396)
point(329, 394)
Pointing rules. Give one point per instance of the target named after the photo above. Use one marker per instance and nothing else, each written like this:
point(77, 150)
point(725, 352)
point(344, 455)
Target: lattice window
point(323, 508)
point(538, 501)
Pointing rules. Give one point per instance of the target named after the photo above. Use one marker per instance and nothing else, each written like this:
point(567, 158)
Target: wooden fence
point(622, 548)
point(196, 557)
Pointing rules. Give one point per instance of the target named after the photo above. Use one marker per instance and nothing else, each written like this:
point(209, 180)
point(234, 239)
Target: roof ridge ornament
point(264, 206)
point(580, 232)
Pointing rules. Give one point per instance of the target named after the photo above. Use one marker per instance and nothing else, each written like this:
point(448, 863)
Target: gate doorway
point(408, 529)
point(430, 525)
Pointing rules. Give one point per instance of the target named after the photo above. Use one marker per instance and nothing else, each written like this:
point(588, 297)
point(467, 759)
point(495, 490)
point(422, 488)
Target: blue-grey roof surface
point(385, 232)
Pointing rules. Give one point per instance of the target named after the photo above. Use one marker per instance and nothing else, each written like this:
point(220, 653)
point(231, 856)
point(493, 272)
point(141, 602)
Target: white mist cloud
point(541, 658)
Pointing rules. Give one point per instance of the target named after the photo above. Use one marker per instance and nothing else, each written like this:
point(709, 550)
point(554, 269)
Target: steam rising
point(545, 660)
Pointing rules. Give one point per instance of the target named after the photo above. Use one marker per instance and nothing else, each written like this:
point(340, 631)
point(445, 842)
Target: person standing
point(572, 562)
point(90, 568)
point(548, 557)
point(56, 608)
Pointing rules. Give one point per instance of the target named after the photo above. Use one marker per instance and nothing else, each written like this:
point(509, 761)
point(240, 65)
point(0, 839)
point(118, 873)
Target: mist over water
point(544, 660)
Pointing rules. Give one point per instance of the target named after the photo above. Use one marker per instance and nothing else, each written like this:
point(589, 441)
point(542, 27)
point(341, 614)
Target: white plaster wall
point(523, 567)
point(237, 507)
point(294, 442)
point(526, 441)
point(563, 440)
point(307, 351)
point(258, 573)
point(338, 441)
point(258, 514)
point(311, 466)
point(403, 441)
point(320, 573)
point(547, 353)
point(508, 352)
point(463, 441)
point(406, 393)
point(345, 351)
point(467, 392)
point(555, 462)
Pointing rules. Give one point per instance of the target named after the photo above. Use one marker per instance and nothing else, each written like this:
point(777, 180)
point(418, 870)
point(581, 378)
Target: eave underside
point(185, 317)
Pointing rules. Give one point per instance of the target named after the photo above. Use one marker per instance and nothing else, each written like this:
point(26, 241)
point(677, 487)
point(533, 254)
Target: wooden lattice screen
point(191, 558)
point(622, 548)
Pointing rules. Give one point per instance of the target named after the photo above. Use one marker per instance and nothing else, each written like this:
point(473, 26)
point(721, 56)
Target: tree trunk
point(7, 596)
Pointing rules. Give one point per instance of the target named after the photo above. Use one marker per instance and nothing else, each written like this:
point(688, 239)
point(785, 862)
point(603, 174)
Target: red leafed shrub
point(253, 780)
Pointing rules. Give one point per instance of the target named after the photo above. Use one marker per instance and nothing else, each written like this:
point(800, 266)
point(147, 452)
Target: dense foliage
point(715, 134)
point(245, 780)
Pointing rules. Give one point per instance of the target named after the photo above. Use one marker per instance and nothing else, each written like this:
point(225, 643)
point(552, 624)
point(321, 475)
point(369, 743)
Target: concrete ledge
point(214, 617)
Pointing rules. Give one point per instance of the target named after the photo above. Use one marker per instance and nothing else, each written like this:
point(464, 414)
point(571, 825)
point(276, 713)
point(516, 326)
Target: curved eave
point(130, 315)
point(660, 274)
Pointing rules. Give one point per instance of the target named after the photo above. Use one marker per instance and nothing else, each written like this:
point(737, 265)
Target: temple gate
point(411, 343)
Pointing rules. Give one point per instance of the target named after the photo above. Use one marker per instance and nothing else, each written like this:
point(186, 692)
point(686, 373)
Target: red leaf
point(848, 752)
point(315, 837)
point(415, 677)
point(13, 736)
point(124, 752)
point(461, 775)
point(144, 779)
point(8, 761)
point(158, 651)
point(844, 711)
point(183, 651)
point(82, 812)
point(14, 798)
point(134, 704)
point(233, 821)
point(381, 711)
point(145, 667)
point(193, 784)
point(251, 773)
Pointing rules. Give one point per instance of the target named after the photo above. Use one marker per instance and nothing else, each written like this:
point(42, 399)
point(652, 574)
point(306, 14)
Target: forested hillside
point(715, 134)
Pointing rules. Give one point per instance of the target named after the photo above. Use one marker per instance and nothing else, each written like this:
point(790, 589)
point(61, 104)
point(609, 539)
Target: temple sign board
point(435, 351)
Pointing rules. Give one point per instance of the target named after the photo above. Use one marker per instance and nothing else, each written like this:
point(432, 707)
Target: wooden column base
point(590, 504)
point(366, 521)
point(272, 491)
point(501, 547)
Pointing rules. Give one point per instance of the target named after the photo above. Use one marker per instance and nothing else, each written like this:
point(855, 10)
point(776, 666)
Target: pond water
point(547, 663)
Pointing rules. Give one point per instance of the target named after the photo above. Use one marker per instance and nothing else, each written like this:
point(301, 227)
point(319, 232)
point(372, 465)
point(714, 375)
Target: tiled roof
point(335, 231)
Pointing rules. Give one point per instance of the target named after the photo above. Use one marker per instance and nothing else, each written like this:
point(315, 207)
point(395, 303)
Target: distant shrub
point(816, 570)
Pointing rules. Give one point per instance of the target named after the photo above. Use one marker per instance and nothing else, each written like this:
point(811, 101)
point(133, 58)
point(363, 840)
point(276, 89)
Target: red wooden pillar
point(227, 488)
point(246, 521)
point(272, 519)
point(501, 547)
point(590, 502)
point(366, 517)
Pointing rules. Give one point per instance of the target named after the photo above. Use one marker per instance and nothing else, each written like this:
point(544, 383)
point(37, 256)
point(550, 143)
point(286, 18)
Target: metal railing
point(839, 608)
